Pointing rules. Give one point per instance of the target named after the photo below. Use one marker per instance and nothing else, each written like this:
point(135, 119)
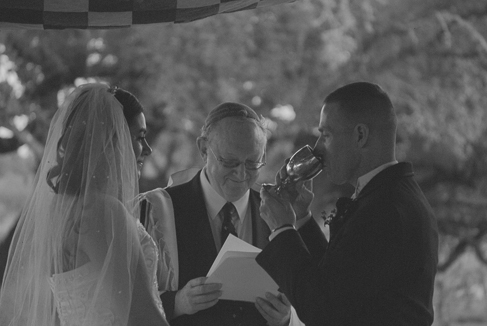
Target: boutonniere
point(344, 205)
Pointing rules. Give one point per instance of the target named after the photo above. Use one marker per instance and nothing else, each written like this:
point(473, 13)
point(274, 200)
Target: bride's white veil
point(80, 214)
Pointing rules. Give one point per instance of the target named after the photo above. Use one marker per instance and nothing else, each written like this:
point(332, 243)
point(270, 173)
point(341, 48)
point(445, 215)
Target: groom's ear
point(361, 134)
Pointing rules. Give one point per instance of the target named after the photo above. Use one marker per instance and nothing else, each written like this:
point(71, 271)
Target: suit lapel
point(202, 224)
point(196, 246)
point(382, 179)
point(260, 230)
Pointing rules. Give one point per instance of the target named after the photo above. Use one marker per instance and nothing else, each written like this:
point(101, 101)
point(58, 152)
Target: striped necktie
point(229, 214)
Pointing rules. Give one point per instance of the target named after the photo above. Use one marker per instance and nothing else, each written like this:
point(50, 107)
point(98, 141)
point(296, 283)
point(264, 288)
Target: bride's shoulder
point(104, 207)
point(101, 202)
point(107, 216)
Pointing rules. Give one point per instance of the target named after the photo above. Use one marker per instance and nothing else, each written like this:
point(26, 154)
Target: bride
point(79, 256)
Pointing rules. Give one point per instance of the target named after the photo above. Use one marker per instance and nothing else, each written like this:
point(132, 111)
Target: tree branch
point(467, 26)
point(453, 256)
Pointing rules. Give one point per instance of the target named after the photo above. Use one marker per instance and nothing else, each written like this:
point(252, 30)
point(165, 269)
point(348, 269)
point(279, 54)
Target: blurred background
point(429, 55)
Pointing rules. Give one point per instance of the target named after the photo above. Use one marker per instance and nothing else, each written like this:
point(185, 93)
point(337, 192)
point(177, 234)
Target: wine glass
point(303, 165)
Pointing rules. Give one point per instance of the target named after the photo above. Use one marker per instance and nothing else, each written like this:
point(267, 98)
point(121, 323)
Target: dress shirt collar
point(214, 202)
point(363, 180)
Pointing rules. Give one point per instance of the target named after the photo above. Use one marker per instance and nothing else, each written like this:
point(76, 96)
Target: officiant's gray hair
point(231, 109)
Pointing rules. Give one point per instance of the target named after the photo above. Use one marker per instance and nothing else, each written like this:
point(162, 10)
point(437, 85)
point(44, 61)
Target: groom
point(380, 262)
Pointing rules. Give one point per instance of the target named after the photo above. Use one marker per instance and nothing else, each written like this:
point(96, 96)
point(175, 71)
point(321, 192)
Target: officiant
point(191, 219)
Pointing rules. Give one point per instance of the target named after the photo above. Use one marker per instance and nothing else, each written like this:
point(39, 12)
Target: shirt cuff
point(299, 223)
point(277, 231)
point(302, 221)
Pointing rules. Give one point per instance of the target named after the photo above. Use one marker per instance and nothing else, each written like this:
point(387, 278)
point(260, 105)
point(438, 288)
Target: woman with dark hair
point(79, 256)
point(134, 114)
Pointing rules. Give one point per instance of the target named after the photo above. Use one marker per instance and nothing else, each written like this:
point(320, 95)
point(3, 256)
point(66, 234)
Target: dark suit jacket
point(197, 251)
point(379, 267)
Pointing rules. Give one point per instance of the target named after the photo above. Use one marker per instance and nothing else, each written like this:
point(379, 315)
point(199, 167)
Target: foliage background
point(430, 56)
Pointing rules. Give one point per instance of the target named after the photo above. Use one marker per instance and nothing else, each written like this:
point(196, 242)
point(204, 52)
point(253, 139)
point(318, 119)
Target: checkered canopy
point(101, 14)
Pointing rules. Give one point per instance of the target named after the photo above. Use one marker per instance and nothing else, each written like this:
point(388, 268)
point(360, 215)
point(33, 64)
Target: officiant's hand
point(275, 309)
point(196, 296)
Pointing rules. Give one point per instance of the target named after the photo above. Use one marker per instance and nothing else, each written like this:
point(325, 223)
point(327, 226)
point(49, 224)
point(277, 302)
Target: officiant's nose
point(241, 171)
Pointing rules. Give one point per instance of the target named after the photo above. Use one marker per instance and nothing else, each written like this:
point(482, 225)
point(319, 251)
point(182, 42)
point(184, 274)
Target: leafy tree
point(429, 55)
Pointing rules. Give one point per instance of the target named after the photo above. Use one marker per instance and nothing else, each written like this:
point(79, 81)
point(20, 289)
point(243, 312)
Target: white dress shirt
point(214, 203)
point(363, 180)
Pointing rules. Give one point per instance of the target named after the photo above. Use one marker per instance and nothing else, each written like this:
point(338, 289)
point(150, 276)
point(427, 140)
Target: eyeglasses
point(231, 164)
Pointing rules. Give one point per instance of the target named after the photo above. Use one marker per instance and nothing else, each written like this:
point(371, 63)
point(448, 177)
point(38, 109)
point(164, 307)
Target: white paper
point(235, 266)
point(232, 244)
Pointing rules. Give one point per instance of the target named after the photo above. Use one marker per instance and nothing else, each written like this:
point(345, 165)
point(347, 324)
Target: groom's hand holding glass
point(288, 201)
point(284, 206)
